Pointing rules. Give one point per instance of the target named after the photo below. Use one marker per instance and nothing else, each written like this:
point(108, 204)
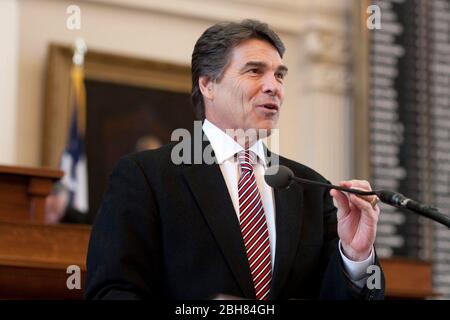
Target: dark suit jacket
point(170, 231)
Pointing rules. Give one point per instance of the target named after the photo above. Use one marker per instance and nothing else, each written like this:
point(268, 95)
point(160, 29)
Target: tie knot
point(246, 159)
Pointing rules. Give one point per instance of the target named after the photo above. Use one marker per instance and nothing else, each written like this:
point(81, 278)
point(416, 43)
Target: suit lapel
point(210, 191)
point(288, 220)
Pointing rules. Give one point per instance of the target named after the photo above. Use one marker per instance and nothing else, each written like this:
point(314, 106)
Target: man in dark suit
point(197, 230)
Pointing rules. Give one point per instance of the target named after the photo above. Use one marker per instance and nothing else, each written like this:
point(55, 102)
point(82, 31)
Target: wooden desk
point(34, 259)
point(407, 278)
point(23, 192)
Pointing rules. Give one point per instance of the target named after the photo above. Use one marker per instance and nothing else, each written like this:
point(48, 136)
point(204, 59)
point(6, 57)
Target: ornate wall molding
point(291, 16)
point(321, 28)
point(326, 57)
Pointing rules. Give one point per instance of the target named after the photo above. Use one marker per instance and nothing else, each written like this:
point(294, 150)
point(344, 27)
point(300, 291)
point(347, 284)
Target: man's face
point(250, 92)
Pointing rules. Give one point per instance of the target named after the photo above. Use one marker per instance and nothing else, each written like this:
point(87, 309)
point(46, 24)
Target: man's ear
point(206, 87)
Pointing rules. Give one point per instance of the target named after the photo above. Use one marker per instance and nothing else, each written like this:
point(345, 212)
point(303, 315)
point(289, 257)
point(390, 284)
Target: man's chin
point(266, 128)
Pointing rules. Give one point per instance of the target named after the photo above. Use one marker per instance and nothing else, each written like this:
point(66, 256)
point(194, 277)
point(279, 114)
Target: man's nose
point(271, 85)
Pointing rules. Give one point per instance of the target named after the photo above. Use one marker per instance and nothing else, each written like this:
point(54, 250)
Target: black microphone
point(282, 177)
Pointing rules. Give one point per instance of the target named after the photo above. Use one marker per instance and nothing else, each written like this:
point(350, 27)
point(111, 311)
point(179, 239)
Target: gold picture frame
point(103, 67)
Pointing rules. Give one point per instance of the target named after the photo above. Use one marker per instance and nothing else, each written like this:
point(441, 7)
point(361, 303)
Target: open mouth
point(269, 106)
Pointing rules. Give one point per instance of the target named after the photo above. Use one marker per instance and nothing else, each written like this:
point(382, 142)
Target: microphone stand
point(388, 197)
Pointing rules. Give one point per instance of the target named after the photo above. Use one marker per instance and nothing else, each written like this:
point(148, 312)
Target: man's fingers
point(361, 185)
point(347, 184)
point(350, 202)
point(341, 201)
point(363, 205)
point(352, 206)
point(358, 184)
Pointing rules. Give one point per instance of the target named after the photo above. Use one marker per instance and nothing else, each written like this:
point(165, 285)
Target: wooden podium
point(408, 279)
point(23, 192)
point(34, 257)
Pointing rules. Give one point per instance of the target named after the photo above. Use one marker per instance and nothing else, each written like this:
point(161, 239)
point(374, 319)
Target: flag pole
point(77, 75)
point(73, 161)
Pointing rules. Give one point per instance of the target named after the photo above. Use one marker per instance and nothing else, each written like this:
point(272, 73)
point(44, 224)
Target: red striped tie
point(254, 226)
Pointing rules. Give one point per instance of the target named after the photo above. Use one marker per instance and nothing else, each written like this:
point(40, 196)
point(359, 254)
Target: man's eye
point(279, 76)
point(254, 71)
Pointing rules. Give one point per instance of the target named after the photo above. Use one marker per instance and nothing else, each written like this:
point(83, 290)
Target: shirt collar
point(225, 147)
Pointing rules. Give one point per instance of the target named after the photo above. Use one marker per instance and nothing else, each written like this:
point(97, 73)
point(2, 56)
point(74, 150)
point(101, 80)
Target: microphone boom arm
point(330, 186)
point(401, 202)
point(282, 177)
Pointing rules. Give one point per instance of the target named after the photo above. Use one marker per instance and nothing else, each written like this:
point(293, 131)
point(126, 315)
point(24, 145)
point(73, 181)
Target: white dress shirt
point(224, 149)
